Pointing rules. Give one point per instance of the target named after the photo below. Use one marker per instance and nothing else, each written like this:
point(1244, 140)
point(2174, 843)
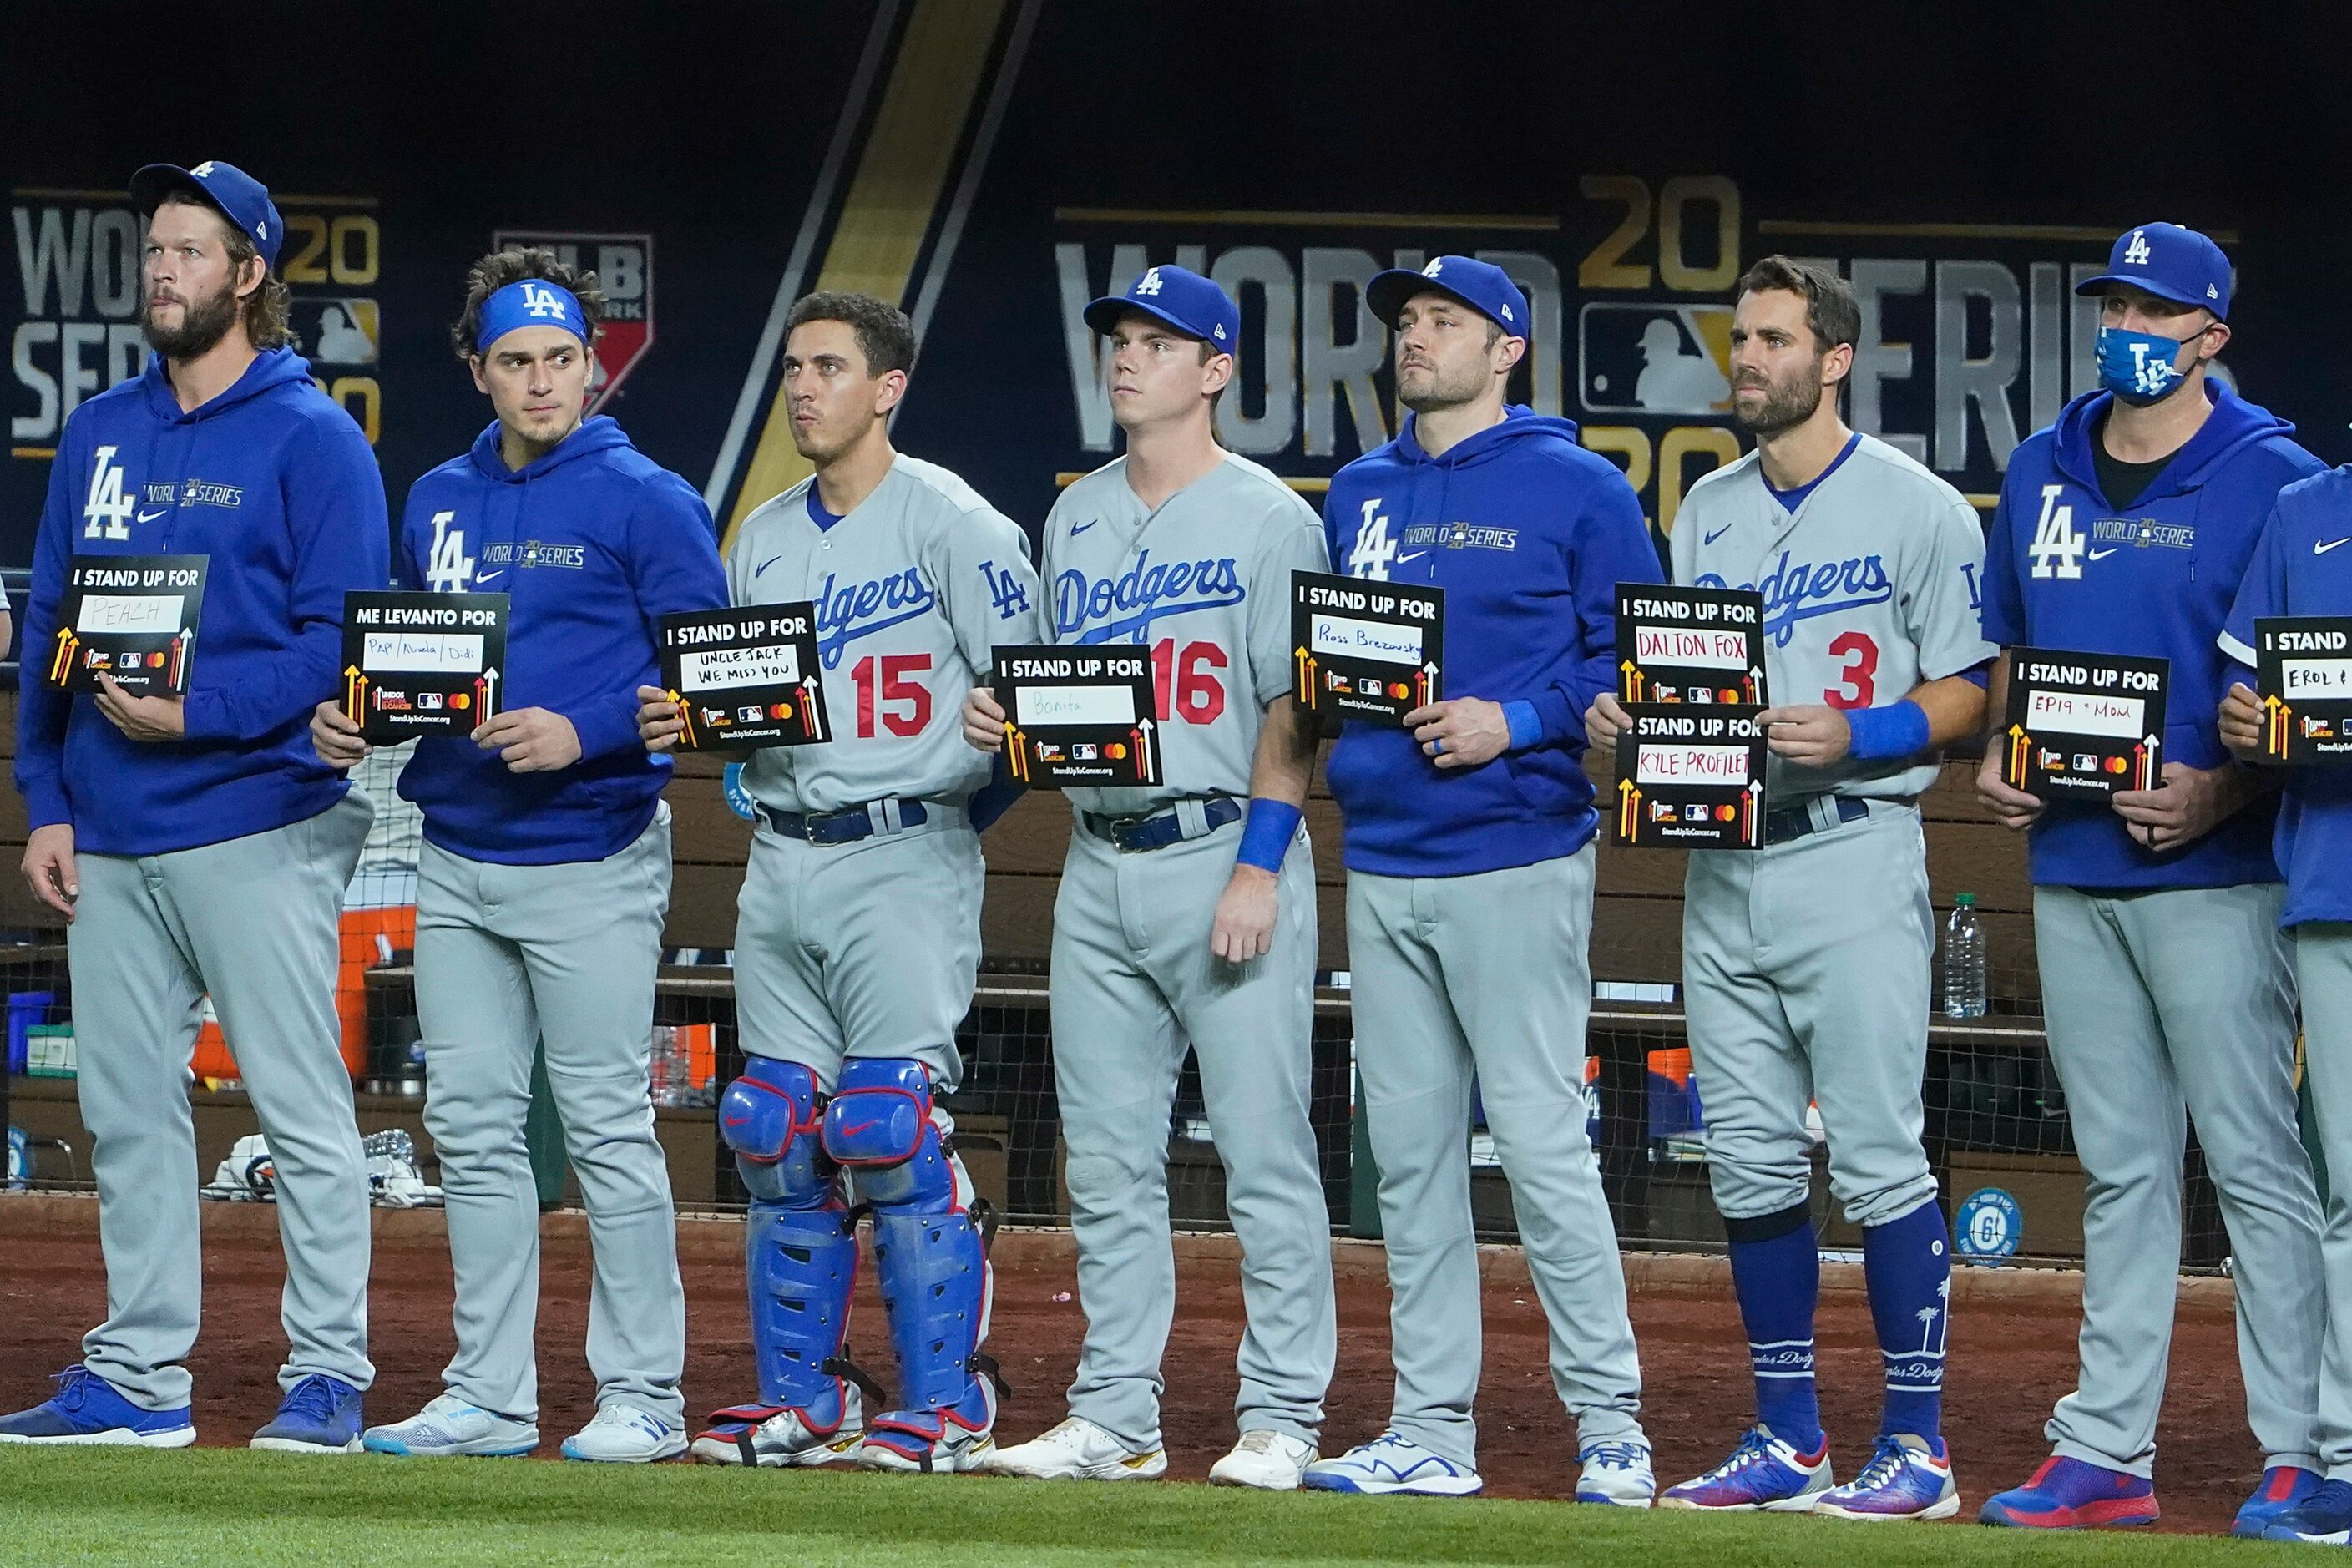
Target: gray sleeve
point(1294, 544)
point(1682, 547)
point(979, 563)
point(739, 576)
point(1939, 601)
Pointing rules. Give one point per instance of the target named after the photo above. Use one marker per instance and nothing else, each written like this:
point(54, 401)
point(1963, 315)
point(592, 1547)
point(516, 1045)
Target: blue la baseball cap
point(240, 198)
point(1481, 285)
point(2170, 262)
point(1179, 296)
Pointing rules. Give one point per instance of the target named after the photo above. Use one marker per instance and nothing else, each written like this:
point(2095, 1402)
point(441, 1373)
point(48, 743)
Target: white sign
point(2315, 677)
point(2082, 713)
point(1692, 765)
point(775, 664)
point(1678, 644)
point(129, 613)
point(436, 653)
point(1035, 705)
point(1384, 641)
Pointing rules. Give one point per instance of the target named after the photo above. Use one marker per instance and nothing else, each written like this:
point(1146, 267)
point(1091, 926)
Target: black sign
point(1690, 645)
point(422, 664)
point(1691, 778)
point(2084, 724)
point(1365, 650)
point(129, 616)
point(1079, 716)
point(745, 677)
point(2304, 675)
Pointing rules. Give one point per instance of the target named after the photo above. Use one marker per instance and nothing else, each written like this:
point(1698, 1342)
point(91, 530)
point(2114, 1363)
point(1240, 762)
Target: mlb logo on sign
point(624, 264)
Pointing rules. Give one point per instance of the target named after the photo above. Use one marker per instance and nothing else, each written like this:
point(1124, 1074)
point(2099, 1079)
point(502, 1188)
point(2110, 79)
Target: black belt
point(1139, 835)
point(847, 825)
point(1796, 821)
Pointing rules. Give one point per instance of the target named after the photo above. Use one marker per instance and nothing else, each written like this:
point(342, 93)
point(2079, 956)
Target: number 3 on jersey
point(886, 692)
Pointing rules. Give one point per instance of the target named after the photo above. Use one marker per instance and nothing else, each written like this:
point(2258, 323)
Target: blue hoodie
point(2063, 569)
point(273, 482)
point(1529, 534)
point(592, 541)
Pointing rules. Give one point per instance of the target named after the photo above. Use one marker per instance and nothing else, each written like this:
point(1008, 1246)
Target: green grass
point(230, 1506)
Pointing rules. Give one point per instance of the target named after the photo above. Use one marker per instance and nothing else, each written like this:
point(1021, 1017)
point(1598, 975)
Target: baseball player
point(1468, 837)
point(1186, 913)
point(2300, 569)
point(194, 844)
point(2125, 528)
point(545, 871)
point(1805, 963)
point(859, 939)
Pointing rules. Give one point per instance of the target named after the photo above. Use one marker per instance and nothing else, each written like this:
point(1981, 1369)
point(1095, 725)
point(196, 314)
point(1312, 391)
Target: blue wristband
point(1898, 730)
point(1266, 834)
point(1526, 725)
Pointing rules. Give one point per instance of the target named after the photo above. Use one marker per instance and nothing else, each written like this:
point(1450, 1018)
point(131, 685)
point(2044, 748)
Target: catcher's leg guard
point(801, 1259)
point(933, 1262)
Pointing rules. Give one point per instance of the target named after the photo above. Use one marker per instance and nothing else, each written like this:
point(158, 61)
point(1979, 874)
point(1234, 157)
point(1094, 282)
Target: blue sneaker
point(1763, 1473)
point(1391, 1464)
point(1907, 1477)
point(320, 1415)
point(2324, 1518)
point(86, 1408)
point(2283, 1488)
point(2070, 1494)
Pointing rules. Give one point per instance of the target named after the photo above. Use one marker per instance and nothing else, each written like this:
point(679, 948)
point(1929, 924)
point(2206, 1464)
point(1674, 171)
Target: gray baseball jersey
point(913, 590)
point(1869, 589)
point(1204, 582)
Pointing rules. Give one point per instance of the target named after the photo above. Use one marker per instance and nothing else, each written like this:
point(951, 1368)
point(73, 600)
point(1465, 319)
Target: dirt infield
point(2012, 1352)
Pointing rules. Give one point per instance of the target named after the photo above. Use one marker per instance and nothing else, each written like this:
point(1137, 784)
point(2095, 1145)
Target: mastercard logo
point(460, 701)
point(155, 661)
point(1117, 750)
point(781, 711)
point(2118, 764)
point(1400, 690)
point(1726, 812)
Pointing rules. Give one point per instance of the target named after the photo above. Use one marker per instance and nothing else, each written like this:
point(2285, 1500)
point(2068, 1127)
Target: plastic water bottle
point(1964, 961)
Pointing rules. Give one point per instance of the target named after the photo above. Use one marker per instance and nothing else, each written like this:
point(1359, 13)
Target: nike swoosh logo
point(1082, 527)
point(488, 576)
point(1719, 534)
point(2319, 549)
point(770, 561)
point(1414, 556)
point(151, 516)
point(2102, 555)
point(861, 1127)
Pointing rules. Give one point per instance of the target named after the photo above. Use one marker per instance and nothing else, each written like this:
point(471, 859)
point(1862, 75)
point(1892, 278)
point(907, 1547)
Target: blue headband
point(533, 302)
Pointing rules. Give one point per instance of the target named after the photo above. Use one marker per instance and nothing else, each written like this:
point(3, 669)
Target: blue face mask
point(2138, 366)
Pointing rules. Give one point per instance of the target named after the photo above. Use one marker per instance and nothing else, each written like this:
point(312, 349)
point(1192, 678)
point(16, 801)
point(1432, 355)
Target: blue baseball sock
point(1907, 1264)
point(1777, 1271)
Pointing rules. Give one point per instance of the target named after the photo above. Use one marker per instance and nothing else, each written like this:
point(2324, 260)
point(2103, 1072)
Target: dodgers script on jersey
point(1204, 582)
point(1870, 588)
point(914, 589)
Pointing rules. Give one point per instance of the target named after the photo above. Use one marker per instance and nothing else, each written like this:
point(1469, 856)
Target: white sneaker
point(449, 1426)
point(1077, 1450)
point(776, 1437)
point(1617, 1473)
point(1270, 1462)
point(1392, 1463)
point(624, 1434)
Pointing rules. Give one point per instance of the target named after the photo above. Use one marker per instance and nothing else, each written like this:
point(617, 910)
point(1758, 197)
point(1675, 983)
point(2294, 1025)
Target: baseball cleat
point(1616, 1473)
point(2069, 1494)
point(86, 1408)
point(624, 1434)
point(320, 1415)
point(448, 1427)
point(1269, 1461)
point(775, 1436)
point(1075, 1449)
point(2283, 1488)
point(960, 1437)
point(1392, 1463)
point(1907, 1477)
point(2323, 1519)
point(1763, 1473)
